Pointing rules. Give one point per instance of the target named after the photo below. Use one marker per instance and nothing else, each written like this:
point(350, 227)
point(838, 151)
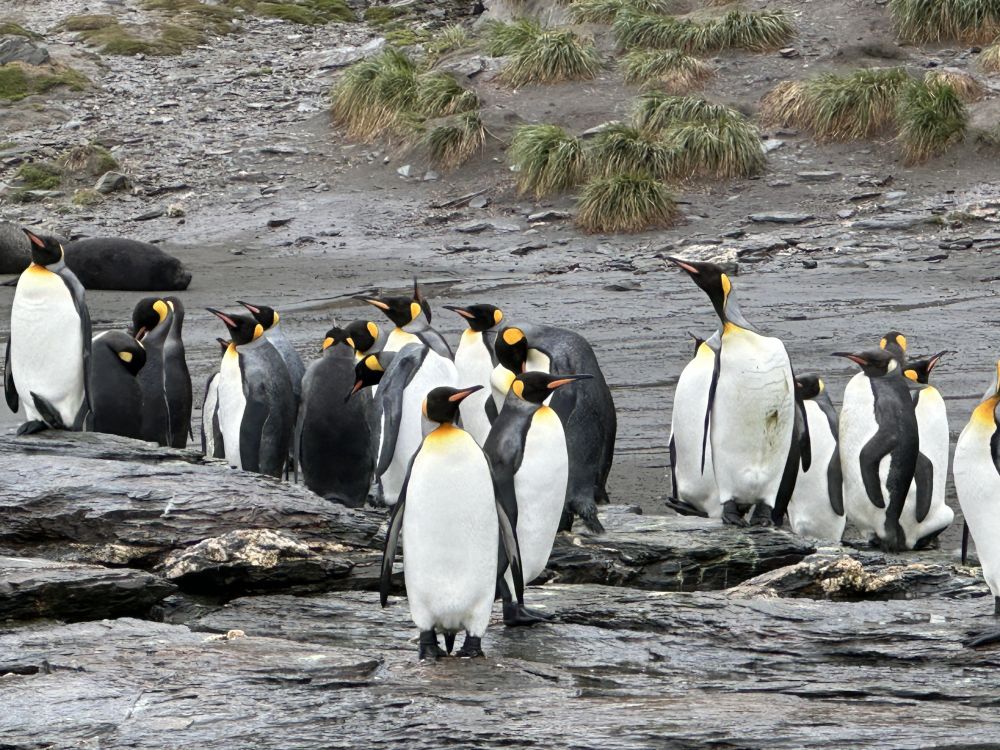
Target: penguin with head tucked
point(333, 442)
point(116, 397)
point(368, 337)
point(475, 360)
point(750, 415)
point(527, 450)
point(48, 352)
point(212, 442)
point(269, 318)
point(879, 445)
point(587, 410)
point(412, 319)
point(256, 403)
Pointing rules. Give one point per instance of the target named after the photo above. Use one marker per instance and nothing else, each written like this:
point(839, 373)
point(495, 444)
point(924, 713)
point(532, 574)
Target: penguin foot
point(732, 515)
point(515, 615)
point(449, 642)
point(472, 648)
point(429, 648)
point(761, 516)
point(684, 508)
point(32, 427)
point(894, 539)
point(545, 616)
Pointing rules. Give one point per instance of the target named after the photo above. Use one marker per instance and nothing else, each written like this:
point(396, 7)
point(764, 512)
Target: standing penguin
point(751, 405)
point(412, 318)
point(269, 318)
point(879, 444)
point(212, 442)
point(587, 411)
point(528, 454)
point(926, 514)
point(977, 484)
point(693, 483)
point(166, 383)
point(816, 508)
point(333, 443)
point(256, 404)
point(475, 360)
point(48, 352)
point(115, 395)
point(451, 537)
point(176, 377)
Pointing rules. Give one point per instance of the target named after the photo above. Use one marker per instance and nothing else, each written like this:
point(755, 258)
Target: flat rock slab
point(32, 588)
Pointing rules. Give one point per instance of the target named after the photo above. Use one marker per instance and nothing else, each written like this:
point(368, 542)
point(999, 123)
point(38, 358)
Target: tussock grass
point(989, 59)
point(501, 39)
point(931, 117)
point(376, 96)
point(671, 70)
point(88, 22)
point(89, 159)
point(738, 29)
point(969, 21)
point(439, 94)
point(9, 28)
point(967, 87)
point(625, 203)
point(657, 110)
point(18, 80)
point(724, 146)
point(215, 19)
point(622, 149)
point(605, 11)
point(39, 176)
point(548, 158)
point(448, 39)
point(456, 141)
point(550, 57)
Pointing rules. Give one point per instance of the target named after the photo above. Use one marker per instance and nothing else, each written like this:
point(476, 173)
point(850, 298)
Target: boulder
point(22, 50)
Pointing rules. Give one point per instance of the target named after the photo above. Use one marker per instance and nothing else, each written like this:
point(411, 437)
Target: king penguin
point(48, 352)
point(412, 319)
point(212, 443)
point(273, 332)
point(333, 442)
point(977, 484)
point(451, 538)
point(116, 397)
point(368, 337)
point(751, 405)
point(926, 514)
point(256, 404)
point(475, 360)
point(166, 383)
point(694, 489)
point(879, 444)
point(528, 454)
point(587, 411)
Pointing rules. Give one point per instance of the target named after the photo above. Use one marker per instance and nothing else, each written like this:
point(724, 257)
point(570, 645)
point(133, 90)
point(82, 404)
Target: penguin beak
point(230, 323)
point(253, 309)
point(460, 310)
point(35, 239)
point(358, 385)
point(856, 358)
point(141, 333)
point(684, 265)
point(376, 302)
point(937, 358)
point(464, 393)
point(566, 380)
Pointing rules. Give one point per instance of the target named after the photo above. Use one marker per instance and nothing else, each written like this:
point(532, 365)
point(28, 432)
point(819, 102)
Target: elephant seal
point(15, 248)
point(125, 265)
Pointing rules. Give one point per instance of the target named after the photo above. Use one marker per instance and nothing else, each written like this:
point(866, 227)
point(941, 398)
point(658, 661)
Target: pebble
point(822, 175)
point(549, 216)
point(110, 182)
point(405, 171)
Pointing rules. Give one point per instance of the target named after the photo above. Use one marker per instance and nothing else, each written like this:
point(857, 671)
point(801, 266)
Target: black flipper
point(924, 479)
point(880, 445)
point(805, 440)
point(790, 474)
point(392, 404)
point(835, 482)
point(49, 414)
point(713, 386)
point(9, 390)
point(32, 427)
point(392, 540)
point(995, 448)
point(491, 409)
point(965, 543)
point(672, 449)
point(511, 550)
point(255, 416)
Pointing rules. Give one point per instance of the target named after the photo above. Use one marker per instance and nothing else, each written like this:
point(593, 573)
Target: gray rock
point(598, 129)
point(473, 227)
point(342, 56)
point(549, 215)
point(405, 171)
point(846, 213)
point(464, 67)
point(819, 176)
point(892, 221)
point(479, 202)
point(111, 182)
point(431, 176)
point(772, 144)
point(19, 49)
point(780, 217)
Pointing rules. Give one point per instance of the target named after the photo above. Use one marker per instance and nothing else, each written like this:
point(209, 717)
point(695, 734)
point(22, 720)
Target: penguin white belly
point(46, 344)
point(450, 537)
point(857, 427)
point(208, 414)
point(500, 382)
point(687, 426)
point(398, 338)
point(932, 426)
point(752, 417)
point(977, 484)
point(475, 367)
point(809, 511)
point(232, 403)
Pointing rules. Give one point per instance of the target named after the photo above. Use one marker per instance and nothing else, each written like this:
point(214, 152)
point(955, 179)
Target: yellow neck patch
point(258, 331)
point(161, 309)
point(415, 310)
point(518, 388)
point(372, 329)
point(983, 414)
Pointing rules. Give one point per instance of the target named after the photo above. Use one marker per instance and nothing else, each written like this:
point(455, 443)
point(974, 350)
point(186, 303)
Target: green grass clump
point(753, 31)
point(39, 176)
point(967, 87)
point(439, 94)
point(968, 21)
point(989, 60)
point(455, 141)
point(9, 28)
point(89, 159)
point(722, 147)
point(377, 96)
point(657, 110)
point(383, 14)
point(622, 149)
point(837, 108)
point(551, 57)
point(931, 117)
point(18, 80)
point(625, 203)
point(548, 158)
point(448, 39)
point(605, 11)
point(87, 197)
point(88, 22)
point(670, 69)
point(507, 38)
point(215, 19)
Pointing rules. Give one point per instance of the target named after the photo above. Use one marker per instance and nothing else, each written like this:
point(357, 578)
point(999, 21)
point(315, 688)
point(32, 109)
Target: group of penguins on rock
point(484, 454)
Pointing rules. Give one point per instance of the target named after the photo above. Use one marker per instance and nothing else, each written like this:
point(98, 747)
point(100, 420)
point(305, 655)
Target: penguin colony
point(483, 454)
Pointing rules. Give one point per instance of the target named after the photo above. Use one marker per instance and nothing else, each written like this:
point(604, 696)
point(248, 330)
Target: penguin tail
point(49, 414)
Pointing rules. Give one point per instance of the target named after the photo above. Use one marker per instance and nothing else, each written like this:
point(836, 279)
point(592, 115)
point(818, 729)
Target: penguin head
point(441, 404)
point(875, 363)
point(535, 387)
point(400, 310)
point(808, 387)
point(242, 328)
point(714, 281)
point(368, 371)
point(919, 370)
point(895, 343)
point(479, 317)
point(266, 316)
point(337, 336)
point(511, 347)
point(364, 334)
point(223, 344)
point(131, 353)
point(148, 313)
point(45, 251)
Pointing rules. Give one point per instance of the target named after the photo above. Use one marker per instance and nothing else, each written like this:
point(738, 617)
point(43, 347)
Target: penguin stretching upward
point(48, 352)
point(116, 397)
point(926, 514)
point(412, 318)
point(451, 538)
point(587, 411)
point(977, 483)
point(750, 416)
point(269, 318)
point(333, 443)
point(879, 444)
point(475, 360)
point(528, 455)
point(166, 383)
point(212, 442)
point(256, 404)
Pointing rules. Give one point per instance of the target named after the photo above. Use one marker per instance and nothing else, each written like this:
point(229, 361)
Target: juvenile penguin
point(212, 442)
point(256, 404)
point(816, 509)
point(751, 405)
point(693, 484)
point(116, 397)
point(412, 318)
point(587, 411)
point(48, 352)
point(451, 537)
point(977, 484)
point(475, 360)
point(269, 318)
point(528, 455)
point(166, 383)
point(879, 443)
point(926, 514)
point(333, 442)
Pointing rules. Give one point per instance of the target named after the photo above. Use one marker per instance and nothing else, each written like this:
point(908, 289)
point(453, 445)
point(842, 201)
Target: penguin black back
point(116, 360)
